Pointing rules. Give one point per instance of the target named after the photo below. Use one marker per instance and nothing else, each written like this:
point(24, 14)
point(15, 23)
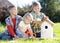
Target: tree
point(51, 8)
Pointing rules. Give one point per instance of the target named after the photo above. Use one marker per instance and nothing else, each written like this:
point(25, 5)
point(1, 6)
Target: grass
point(56, 39)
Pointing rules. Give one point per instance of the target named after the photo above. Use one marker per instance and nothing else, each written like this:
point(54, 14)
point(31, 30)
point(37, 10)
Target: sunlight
point(21, 3)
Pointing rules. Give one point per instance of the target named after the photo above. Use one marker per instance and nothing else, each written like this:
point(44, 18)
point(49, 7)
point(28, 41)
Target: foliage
point(52, 9)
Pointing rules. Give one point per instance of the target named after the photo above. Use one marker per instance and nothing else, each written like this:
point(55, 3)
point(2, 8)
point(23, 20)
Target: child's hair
point(27, 15)
point(10, 7)
point(35, 4)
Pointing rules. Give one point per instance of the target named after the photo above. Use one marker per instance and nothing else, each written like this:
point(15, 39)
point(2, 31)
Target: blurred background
point(50, 7)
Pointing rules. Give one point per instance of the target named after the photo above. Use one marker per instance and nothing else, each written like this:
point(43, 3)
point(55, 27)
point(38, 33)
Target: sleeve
point(9, 27)
point(7, 21)
point(20, 18)
point(20, 24)
point(43, 15)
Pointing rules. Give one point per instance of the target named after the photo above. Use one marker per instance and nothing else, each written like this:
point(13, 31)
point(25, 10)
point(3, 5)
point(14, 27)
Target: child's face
point(28, 20)
point(37, 8)
point(13, 11)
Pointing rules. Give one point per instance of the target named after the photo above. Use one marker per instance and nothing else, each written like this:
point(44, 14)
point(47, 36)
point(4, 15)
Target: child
point(11, 23)
point(24, 26)
point(38, 18)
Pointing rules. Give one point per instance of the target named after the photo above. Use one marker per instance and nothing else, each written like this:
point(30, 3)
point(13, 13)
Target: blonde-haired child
point(24, 26)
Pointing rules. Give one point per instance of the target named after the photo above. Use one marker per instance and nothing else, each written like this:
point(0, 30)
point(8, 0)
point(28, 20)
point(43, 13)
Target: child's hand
point(35, 21)
point(16, 37)
point(46, 18)
point(33, 37)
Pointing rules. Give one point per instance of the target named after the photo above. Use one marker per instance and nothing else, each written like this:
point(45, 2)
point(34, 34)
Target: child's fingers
point(46, 18)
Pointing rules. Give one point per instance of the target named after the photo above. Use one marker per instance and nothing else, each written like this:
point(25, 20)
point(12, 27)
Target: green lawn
point(56, 39)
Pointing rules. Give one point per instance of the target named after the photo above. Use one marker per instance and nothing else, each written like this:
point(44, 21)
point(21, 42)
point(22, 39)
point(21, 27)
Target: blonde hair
point(35, 4)
point(27, 15)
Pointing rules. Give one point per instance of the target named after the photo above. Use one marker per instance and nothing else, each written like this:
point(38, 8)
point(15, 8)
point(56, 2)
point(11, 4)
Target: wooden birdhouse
point(46, 30)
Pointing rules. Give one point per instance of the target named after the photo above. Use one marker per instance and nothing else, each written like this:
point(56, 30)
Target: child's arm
point(48, 20)
point(20, 29)
point(31, 32)
point(10, 29)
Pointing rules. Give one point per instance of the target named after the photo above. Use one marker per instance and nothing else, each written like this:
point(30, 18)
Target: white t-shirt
point(24, 26)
